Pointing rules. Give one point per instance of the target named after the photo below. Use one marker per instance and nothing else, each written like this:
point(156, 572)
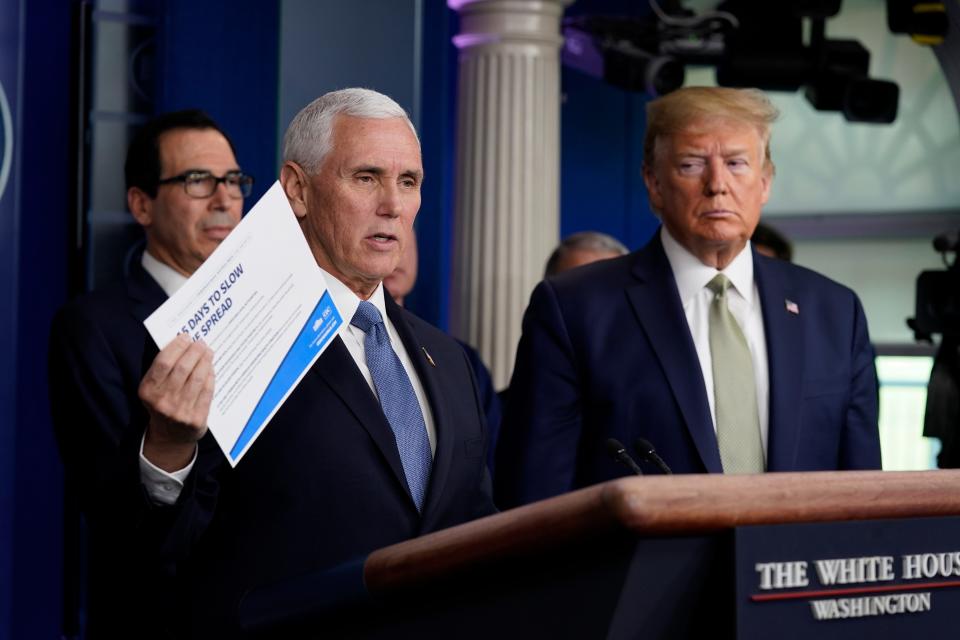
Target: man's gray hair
point(591, 241)
point(309, 137)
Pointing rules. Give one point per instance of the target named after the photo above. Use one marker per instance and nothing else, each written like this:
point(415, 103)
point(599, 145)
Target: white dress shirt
point(165, 488)
point(743, 300)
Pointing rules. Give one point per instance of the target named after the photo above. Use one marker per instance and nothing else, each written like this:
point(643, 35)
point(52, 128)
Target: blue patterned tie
point(397, 399)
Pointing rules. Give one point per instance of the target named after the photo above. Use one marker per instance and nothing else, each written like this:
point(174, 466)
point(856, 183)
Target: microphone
point(619, 453)
point(648, 453)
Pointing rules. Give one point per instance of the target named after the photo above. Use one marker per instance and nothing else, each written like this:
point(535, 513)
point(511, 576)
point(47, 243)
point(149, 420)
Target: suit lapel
point(338, 369)
point(656, 302)
point(144, 292)
point(428, 373)
point(785, 361)
point(145, 296)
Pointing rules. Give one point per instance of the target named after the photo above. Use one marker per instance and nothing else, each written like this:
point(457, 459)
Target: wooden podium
point(645, 557)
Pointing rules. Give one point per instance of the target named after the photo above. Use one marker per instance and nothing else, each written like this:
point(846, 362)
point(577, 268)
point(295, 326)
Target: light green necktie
point(734, 387)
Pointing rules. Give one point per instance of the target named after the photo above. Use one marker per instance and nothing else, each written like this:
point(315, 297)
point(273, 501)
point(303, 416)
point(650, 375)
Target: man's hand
point(177, 391)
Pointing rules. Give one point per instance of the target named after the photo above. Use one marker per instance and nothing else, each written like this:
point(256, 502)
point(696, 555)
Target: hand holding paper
point(260, 303)
point(177, 390)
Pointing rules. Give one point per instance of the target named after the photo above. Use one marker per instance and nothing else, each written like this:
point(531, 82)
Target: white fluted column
point(506, 216)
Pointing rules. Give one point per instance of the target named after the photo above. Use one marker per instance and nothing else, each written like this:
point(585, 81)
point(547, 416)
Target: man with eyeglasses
point(186, 190)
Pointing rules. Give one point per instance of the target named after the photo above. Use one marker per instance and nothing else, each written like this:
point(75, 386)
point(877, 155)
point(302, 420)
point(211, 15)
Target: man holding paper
point(382, 439)
point(185, 188)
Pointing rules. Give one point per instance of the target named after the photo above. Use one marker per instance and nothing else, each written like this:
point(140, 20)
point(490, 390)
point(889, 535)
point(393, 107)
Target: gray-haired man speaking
point(382, 440)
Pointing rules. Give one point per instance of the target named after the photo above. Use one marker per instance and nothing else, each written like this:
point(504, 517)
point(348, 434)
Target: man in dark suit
point(723, 359)
point(185, 188)
point(382, 440)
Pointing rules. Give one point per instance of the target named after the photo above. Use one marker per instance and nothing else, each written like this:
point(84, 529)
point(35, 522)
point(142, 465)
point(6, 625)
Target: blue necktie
point(397, 399)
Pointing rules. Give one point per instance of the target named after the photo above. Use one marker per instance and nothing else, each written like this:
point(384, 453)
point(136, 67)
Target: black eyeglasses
point(203, 184)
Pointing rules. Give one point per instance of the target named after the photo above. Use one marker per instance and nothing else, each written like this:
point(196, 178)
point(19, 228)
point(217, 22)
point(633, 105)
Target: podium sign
point(859, 579)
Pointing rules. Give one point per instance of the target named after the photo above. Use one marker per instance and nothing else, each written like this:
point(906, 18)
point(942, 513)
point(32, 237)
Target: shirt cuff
point(161, 486)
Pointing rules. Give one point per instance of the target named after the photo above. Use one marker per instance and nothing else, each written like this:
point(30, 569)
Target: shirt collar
point(692, 275)
point(169, 279)
point(347, 301)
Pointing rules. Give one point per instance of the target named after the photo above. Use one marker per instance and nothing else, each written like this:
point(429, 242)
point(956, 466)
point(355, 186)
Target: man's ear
point(140, 205)
point(293, 179)
point(766, 181)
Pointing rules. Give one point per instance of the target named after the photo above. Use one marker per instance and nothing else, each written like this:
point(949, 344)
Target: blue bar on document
point(318, 330)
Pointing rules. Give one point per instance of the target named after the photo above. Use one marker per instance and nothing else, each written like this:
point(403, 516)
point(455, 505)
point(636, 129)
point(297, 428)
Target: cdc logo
point(6, 141)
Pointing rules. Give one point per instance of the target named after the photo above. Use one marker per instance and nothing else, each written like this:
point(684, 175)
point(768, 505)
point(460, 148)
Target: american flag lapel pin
point(429, 359)
point(792, 306)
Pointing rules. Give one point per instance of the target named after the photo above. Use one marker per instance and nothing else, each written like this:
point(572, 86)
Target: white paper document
point(261, 303)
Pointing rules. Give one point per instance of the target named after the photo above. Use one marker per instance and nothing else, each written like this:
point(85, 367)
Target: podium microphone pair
point(645, 450)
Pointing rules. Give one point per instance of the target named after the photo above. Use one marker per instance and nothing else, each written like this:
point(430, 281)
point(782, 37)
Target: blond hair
point(679, 109)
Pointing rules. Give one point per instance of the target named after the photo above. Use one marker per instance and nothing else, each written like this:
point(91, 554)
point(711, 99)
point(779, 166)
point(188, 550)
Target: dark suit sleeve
point(483, 504)
point(540, 434)
point(860, 444)
point(98, 426)
point(489, 399)
point(95, 368)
